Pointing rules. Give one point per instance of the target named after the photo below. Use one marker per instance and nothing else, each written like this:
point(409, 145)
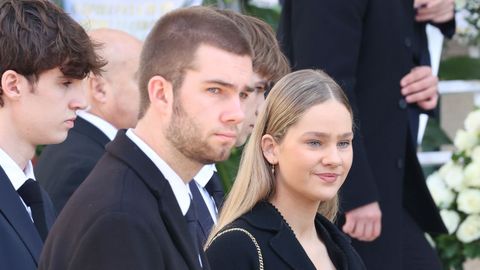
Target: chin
point(241, 141)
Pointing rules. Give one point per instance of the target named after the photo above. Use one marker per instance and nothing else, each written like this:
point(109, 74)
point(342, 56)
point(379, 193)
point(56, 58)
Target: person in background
point(374, 50)
point(44, 55)
point(278, 214)
point(114, 103)
point(269, 64)
point(135, 210)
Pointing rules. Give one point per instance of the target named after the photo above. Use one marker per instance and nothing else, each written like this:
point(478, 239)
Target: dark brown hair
point(36, 36)
point(268, 59)
point(172, 43)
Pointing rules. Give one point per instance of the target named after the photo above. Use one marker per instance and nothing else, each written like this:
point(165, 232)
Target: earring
point(273, 169)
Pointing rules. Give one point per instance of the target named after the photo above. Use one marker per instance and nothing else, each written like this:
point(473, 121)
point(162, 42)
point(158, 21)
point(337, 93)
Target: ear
point(270, 149)
point(97, 89)
point(12, 84)
point(160, 92)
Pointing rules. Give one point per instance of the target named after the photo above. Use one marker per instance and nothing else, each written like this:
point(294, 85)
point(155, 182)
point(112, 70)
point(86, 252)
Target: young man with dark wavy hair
point(44, 55)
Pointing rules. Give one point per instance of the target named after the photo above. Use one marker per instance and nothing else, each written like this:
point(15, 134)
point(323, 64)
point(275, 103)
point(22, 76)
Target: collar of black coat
point(262, 217)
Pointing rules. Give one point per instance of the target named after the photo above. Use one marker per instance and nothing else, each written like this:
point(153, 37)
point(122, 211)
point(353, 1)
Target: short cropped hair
point(268, 59)
point(170, 47)
point(37, 35)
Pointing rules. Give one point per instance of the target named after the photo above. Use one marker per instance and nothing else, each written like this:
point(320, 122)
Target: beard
point(185, 135)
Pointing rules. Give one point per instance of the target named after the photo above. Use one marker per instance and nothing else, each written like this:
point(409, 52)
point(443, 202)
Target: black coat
point(123, 216)
point(367, 46)
point(20, 243)
point(279, 247)
point(62, 167)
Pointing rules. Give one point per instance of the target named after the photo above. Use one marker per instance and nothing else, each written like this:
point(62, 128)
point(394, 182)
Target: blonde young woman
point(278, 214)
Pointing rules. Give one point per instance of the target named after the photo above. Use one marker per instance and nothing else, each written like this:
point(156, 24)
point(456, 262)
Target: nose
point(234, 112)
point(332, 157)
point(78, 100)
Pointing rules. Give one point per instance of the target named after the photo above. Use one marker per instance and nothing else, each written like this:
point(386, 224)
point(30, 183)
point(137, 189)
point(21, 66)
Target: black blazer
point(124, 216)
point(20, 243)
point(62, 167)
point(280, 249)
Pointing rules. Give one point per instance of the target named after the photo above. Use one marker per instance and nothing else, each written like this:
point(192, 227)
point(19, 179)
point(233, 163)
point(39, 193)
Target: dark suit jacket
point(279, 247)
point(20, 243)
point(368, 46)
point(61, 168)
point(124, 216)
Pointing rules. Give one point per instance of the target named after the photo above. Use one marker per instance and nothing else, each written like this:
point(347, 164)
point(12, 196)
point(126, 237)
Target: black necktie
point(215, 188)
point(205, 221)
point(192, 221)
point(32, 196)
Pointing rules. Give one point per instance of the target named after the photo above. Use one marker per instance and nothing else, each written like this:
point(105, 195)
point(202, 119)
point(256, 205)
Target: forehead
point(212, 63)
point(330, 117)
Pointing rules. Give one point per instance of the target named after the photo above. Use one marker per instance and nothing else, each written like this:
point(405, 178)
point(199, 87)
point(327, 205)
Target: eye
point(214, 90)
point(314, 143)
point(344, 144)
point(243, 95)
point(67, 83)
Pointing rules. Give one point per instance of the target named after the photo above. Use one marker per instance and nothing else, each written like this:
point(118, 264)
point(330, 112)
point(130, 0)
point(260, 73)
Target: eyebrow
point(324, 135)
point(222, 83)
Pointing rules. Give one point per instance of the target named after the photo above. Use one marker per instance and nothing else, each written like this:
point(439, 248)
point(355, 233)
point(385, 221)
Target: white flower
point(452, 174)
point(476, 154)
point(442, 196)
point(451, 219)
point(465, 140)
point(468, 201)
point(469, 230)
point(472, 174)
point(472, 122)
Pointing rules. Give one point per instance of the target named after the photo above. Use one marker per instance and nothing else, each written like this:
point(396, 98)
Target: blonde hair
point(289, 99)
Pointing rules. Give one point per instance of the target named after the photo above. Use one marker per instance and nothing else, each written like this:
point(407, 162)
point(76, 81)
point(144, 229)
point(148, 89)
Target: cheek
point(347, 158)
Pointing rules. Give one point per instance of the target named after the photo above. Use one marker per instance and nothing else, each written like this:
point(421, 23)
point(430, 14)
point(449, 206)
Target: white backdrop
point(135, 17)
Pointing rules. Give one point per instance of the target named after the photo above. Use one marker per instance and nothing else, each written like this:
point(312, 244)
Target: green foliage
point(459, 68)
point(228, 169)
point(271, 16)
point(450, 251)
point(434, 136)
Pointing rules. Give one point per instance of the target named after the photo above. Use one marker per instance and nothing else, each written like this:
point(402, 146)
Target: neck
point(299, 214)
point(15, 146)
point(185, 168)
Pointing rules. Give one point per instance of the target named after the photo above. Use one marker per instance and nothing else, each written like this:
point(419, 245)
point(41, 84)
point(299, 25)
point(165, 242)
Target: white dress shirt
point(16, 175)
point(180, 189)
point(107, 128)
point(201, 180)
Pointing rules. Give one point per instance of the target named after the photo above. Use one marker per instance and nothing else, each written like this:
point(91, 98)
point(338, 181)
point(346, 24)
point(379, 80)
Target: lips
point(226, 136)
point(70, 122)
point(328, 177)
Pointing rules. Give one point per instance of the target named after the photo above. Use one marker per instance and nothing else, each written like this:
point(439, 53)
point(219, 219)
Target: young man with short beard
point(134, 210)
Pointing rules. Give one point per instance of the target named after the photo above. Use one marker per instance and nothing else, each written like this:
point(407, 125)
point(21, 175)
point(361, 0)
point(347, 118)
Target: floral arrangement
point(468, 21)
point(455, 188)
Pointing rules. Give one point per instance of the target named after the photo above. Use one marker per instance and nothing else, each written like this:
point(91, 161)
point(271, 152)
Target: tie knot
point(30, 192)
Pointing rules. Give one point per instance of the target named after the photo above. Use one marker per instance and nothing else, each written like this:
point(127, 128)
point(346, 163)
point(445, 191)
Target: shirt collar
point(100, 123)
point(180, 189)
point(205, 174)
point(16, 175)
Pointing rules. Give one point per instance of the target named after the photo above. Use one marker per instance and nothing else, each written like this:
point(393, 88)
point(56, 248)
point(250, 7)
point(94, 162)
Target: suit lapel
point(14, 212)
point(283, 242)
point(287, 247)
point(82, 126)
point(127, 151)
